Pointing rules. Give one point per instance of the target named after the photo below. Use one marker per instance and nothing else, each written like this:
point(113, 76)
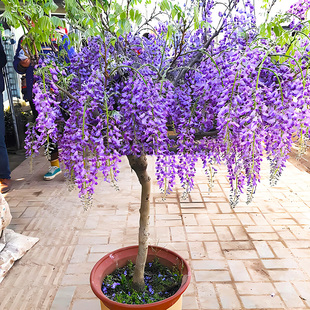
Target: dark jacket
point(21, 70)
point(29, 71)
point(2, 64)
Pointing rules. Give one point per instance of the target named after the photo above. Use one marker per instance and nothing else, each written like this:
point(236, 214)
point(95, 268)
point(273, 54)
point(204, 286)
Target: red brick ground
point(253, 257)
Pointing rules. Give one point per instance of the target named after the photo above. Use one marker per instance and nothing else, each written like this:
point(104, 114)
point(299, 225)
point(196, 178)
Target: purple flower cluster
point(124, 99)
point(300, 9)
point(48, 108)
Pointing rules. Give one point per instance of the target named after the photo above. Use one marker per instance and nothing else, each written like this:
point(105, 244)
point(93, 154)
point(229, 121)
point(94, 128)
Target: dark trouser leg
point(4, 159)
point(33, 109)
point(54, 153)
point(51, 150)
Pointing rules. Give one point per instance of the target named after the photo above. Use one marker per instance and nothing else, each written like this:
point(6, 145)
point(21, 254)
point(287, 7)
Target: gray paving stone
point(262, 302)
point(240, 257)
point(289, 295)
point(212, 276)
point(238, 270)
point(63, 298)
point(228, 297)
point(83, 304)
point(263, 249)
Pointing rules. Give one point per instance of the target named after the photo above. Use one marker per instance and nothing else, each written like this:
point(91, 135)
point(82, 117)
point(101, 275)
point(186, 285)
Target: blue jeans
point(4, 159)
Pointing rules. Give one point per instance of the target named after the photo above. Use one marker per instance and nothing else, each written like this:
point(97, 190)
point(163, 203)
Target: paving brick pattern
point(255, 256)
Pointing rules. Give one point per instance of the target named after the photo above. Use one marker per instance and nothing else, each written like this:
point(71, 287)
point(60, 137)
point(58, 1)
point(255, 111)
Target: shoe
point(52, 172)
point(5, 185)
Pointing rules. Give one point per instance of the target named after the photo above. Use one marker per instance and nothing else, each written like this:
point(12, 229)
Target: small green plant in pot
point(229, 90)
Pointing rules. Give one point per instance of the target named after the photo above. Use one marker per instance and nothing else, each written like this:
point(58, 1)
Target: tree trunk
point(139, 165)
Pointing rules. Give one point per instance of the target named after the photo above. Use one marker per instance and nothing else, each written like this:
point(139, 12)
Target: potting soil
point(160, 283)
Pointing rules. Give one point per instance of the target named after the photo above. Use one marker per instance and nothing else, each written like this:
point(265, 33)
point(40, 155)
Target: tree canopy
point(199, 81)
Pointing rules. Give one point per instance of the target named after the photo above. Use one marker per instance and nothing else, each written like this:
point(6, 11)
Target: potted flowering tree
point(199, 82)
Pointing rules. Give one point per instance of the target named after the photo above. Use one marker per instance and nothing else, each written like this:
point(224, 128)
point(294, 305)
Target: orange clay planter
point(120, 258)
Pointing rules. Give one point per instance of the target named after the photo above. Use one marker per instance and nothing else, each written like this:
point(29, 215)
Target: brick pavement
point(256, 256)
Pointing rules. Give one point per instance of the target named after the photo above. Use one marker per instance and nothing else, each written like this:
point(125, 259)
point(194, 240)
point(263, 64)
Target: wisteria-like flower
point(253, 102)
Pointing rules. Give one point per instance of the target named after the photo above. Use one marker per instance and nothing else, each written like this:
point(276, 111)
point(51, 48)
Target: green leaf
point(44, 23)
point(127, 26)
point(269, 30)
point(119, 32)
point(57, 22)
point(205, 24)
point(262, 31)
point(113, 41)
point(138, 17)
point(118, 9)
point(164, 5)
point(196, 19)
point(276, 31)
point(123, 15)
point(132, 14)
point(169, 31)
point(73, 37)
point(124, 25)
point(173, 13)
point(50, 6)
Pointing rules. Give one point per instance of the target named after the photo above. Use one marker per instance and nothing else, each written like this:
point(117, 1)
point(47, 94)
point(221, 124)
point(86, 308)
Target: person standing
point(5, 173)
point(22, 65)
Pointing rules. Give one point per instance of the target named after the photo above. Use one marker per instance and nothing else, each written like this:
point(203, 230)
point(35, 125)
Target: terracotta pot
point(120, 258)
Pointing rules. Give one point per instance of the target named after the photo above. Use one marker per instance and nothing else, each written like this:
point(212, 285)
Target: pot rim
point(172, 299)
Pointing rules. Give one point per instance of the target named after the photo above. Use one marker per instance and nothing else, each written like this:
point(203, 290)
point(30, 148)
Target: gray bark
point(139, 165)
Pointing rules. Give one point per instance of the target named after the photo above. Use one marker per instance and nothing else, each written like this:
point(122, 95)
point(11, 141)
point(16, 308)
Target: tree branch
point(67, 93)
point(153, 15)
point(196, 59)
point(268, 12)
point(199, 135)
point(231, 5)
